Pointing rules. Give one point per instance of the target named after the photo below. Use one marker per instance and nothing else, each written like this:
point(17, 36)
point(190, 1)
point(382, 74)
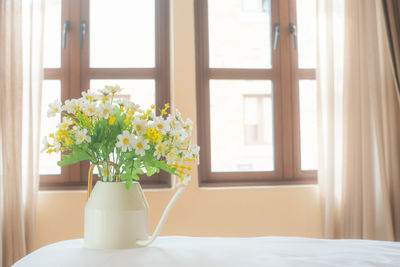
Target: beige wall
point(290, 210)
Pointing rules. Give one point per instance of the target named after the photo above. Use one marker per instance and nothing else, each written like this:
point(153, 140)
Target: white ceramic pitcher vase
point(118, 218)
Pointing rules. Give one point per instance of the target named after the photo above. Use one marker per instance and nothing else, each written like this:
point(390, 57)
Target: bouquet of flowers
point(107, 130)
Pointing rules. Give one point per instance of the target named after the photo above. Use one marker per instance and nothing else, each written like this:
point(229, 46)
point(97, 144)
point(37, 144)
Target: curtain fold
point(21, 41)
point(330, 28)
point(359, 122)
point(391, 12)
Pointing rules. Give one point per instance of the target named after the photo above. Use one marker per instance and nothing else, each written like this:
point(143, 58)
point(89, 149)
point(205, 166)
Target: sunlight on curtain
point(21, 40)
point(330, 39)
point(359, 122)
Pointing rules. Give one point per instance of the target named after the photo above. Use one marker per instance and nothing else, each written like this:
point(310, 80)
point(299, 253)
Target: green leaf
point(124, 176)
point(139, 171)
point(128, 184)
point(73, 157)
point(136, 177)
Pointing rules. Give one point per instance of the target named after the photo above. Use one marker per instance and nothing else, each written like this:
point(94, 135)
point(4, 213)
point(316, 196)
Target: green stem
point(71, 117)
point(98, 166)
point(99, 170)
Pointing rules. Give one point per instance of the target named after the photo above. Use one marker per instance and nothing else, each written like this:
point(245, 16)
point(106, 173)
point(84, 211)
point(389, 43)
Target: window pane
point(308, 124)
point(52, 34)
point(307, 28)
point(51, 92)
point(241, 116)
point(122, 34)
point(141, 92)
point(239, 33)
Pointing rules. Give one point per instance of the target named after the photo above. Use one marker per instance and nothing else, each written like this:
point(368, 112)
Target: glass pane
point(122, 34)
point(241, 116)
point(52, 34)
point(308, 124)
point(142, 92)
point(51, 92)
point(239, 33)
point(307, 38)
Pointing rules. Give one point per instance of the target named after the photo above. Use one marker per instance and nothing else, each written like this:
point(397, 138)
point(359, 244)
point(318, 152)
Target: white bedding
point(196, 251)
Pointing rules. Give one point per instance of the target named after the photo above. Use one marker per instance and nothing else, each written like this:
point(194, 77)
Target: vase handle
point(90, 175)
point(144, 243)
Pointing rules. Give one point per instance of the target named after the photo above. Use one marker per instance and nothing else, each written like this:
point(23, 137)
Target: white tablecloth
point(196, 251)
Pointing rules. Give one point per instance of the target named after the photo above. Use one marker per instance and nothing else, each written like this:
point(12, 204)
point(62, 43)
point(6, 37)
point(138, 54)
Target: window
point(92, 43)
point(256, 91)
point(257, 126)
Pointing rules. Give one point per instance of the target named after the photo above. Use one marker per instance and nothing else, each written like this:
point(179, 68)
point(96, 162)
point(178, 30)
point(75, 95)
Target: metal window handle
point(293, 30)
point(83, 32)
point(67, 25)
point(277, 33)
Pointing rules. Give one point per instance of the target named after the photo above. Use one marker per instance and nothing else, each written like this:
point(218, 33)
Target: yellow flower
point(164, 111)
point(104, 99)
point(128, 119)
point(112, 119)
point(154, 135)
point(68, 141)
point(51, 150)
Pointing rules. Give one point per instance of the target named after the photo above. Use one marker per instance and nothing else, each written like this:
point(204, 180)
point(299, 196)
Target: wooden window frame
point(75, 75)
point(284, 74)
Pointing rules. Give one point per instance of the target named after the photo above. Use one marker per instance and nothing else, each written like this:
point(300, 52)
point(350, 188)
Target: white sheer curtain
point(358, 122)
point(330, 37)
point(21, 42)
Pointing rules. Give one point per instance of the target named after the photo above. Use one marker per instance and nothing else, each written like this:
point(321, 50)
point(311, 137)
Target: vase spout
point(145, 243)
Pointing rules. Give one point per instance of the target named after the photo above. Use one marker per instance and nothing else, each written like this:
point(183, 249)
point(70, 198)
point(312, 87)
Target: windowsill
point(238, 187)
point(266, 183)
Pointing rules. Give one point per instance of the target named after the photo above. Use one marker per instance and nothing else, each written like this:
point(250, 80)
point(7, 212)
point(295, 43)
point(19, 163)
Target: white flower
point(123, 101)
point(184, 179)
point(72, 106)
point(188, 126)
point(178, 116)
point(172, 156)
point(66, 122)
point(140, 126)
point(81, 135)
point(161, 125)
point(178, 134)
point(54, 108)
point(110, 89)
point(45, 143)
point(89, 108)
point(161, 150)
point(193, 148)
point(57, 145)
point(192, 152)
point(141, 146)
point(126, 141)
point(128, 105)
point(116, 89)
point(91, 97)
point(105, 90)
point(105, 110)
point(106, 172)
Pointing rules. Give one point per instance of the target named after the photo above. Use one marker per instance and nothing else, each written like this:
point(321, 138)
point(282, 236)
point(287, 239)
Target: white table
point(196, 251)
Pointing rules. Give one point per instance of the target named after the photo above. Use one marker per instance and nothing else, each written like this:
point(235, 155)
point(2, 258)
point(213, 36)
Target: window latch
point(293, 30)
point(67, 25)
point(277, 33)
point(83, 32)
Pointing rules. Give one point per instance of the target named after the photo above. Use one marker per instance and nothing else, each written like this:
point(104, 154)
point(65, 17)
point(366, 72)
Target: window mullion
point(286, 89)
point(73, 81)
